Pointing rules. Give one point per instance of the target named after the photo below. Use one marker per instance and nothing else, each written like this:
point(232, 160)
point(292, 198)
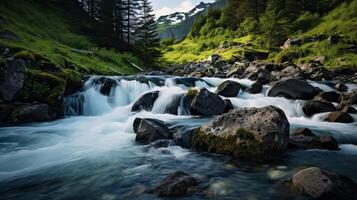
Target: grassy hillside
point(247, 38)
point(51, 32)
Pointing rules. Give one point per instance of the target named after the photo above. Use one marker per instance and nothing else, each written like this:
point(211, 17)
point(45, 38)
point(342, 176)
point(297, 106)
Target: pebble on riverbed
point(176, 184)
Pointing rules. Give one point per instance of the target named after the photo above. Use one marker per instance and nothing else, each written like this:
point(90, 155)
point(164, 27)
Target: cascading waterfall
point(95, 143)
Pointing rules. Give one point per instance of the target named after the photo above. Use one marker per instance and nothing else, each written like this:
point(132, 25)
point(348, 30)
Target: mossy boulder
point(42, 87)
point(31, 113)
point(247, 133)
point(74, 82)
point(25, 55)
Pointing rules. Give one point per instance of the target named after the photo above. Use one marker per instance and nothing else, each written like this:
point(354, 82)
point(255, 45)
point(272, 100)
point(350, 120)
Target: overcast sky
point(164, 7)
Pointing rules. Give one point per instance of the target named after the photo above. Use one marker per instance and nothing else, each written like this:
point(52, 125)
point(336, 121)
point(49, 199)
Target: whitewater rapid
point(97, 137)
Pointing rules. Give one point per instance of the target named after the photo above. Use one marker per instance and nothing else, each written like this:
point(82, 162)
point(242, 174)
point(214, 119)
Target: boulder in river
point(339, 117)
point(177, 184)
point(12, 78)
point(145, 102)
point(183, 137)
point(107, 86)
point(313, 142)
point(228, 105)
point(324, 184)
point(204, 102)
point(255, 88)
point(247, 133)
point(302, 132)
point(341, 87)
point(313, 107)
point(293, 89)
point(328, 96)
point(30, 113)
point(229, 89)
point(150, 130)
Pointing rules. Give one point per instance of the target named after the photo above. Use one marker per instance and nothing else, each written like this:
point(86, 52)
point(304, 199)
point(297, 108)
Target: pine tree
point(146, 34)
point(274, 26)
point(130, 13)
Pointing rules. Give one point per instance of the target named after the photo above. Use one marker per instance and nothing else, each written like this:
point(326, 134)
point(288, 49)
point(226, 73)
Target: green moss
point(26, 55)
point(242, 145)
point(40, 86)
point(192, 92)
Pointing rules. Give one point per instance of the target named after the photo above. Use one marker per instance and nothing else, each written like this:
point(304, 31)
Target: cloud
point(185, 6)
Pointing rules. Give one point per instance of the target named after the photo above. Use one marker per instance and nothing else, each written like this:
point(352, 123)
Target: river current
point(92, 154)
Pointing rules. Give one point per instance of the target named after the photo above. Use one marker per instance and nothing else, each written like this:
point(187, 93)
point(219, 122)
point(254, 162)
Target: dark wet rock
point(49, 67)
point(228, 105)
point(247, 133)
point(147, 79)
point(204, 102)
point(313, 107)
point(172, 107)
point(31, 113)
point(188, 82)
point(228, 89)
point(341, 87)
point(74, 83)
point(260, 75)
point(255, 55)
point(313, 142)
point(339, 117)
point(287, 72)
point(293, 89)
point(107, 86)
point(177, 184)
point(324, 184)
point(12, 79)
point(145, 102)
point(162, 143)
point(255, 88)
point(328, 96)
point(214, 58)
point(183, 137)
point(348, 99)
point(302, 132)
point(150, 130)
point(5, 111)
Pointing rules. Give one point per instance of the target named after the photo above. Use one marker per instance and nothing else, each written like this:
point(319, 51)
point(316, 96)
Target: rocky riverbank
point(258, 135)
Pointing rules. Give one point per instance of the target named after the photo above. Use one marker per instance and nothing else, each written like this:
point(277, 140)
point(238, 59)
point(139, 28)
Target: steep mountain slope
point(178, 24)
point(57, 33)
point(329, 38)
point(46, 50)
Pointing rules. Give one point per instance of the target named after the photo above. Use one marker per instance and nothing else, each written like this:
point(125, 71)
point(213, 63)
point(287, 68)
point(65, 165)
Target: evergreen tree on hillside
point(130, 14)
point(146, 34)
point(250, 8)
point(273, 24)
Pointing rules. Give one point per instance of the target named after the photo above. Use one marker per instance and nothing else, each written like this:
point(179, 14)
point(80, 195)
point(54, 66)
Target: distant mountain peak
point(178, 17)
point(178, 24)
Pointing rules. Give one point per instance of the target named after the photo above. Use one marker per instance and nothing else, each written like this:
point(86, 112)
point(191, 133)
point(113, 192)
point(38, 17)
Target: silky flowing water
point(92, 154)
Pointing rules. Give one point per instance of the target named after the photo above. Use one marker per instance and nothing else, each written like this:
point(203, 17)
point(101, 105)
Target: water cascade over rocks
point(123, 136)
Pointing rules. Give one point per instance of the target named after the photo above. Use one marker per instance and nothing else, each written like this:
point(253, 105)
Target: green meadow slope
point(36, 28)
point(340, 22)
